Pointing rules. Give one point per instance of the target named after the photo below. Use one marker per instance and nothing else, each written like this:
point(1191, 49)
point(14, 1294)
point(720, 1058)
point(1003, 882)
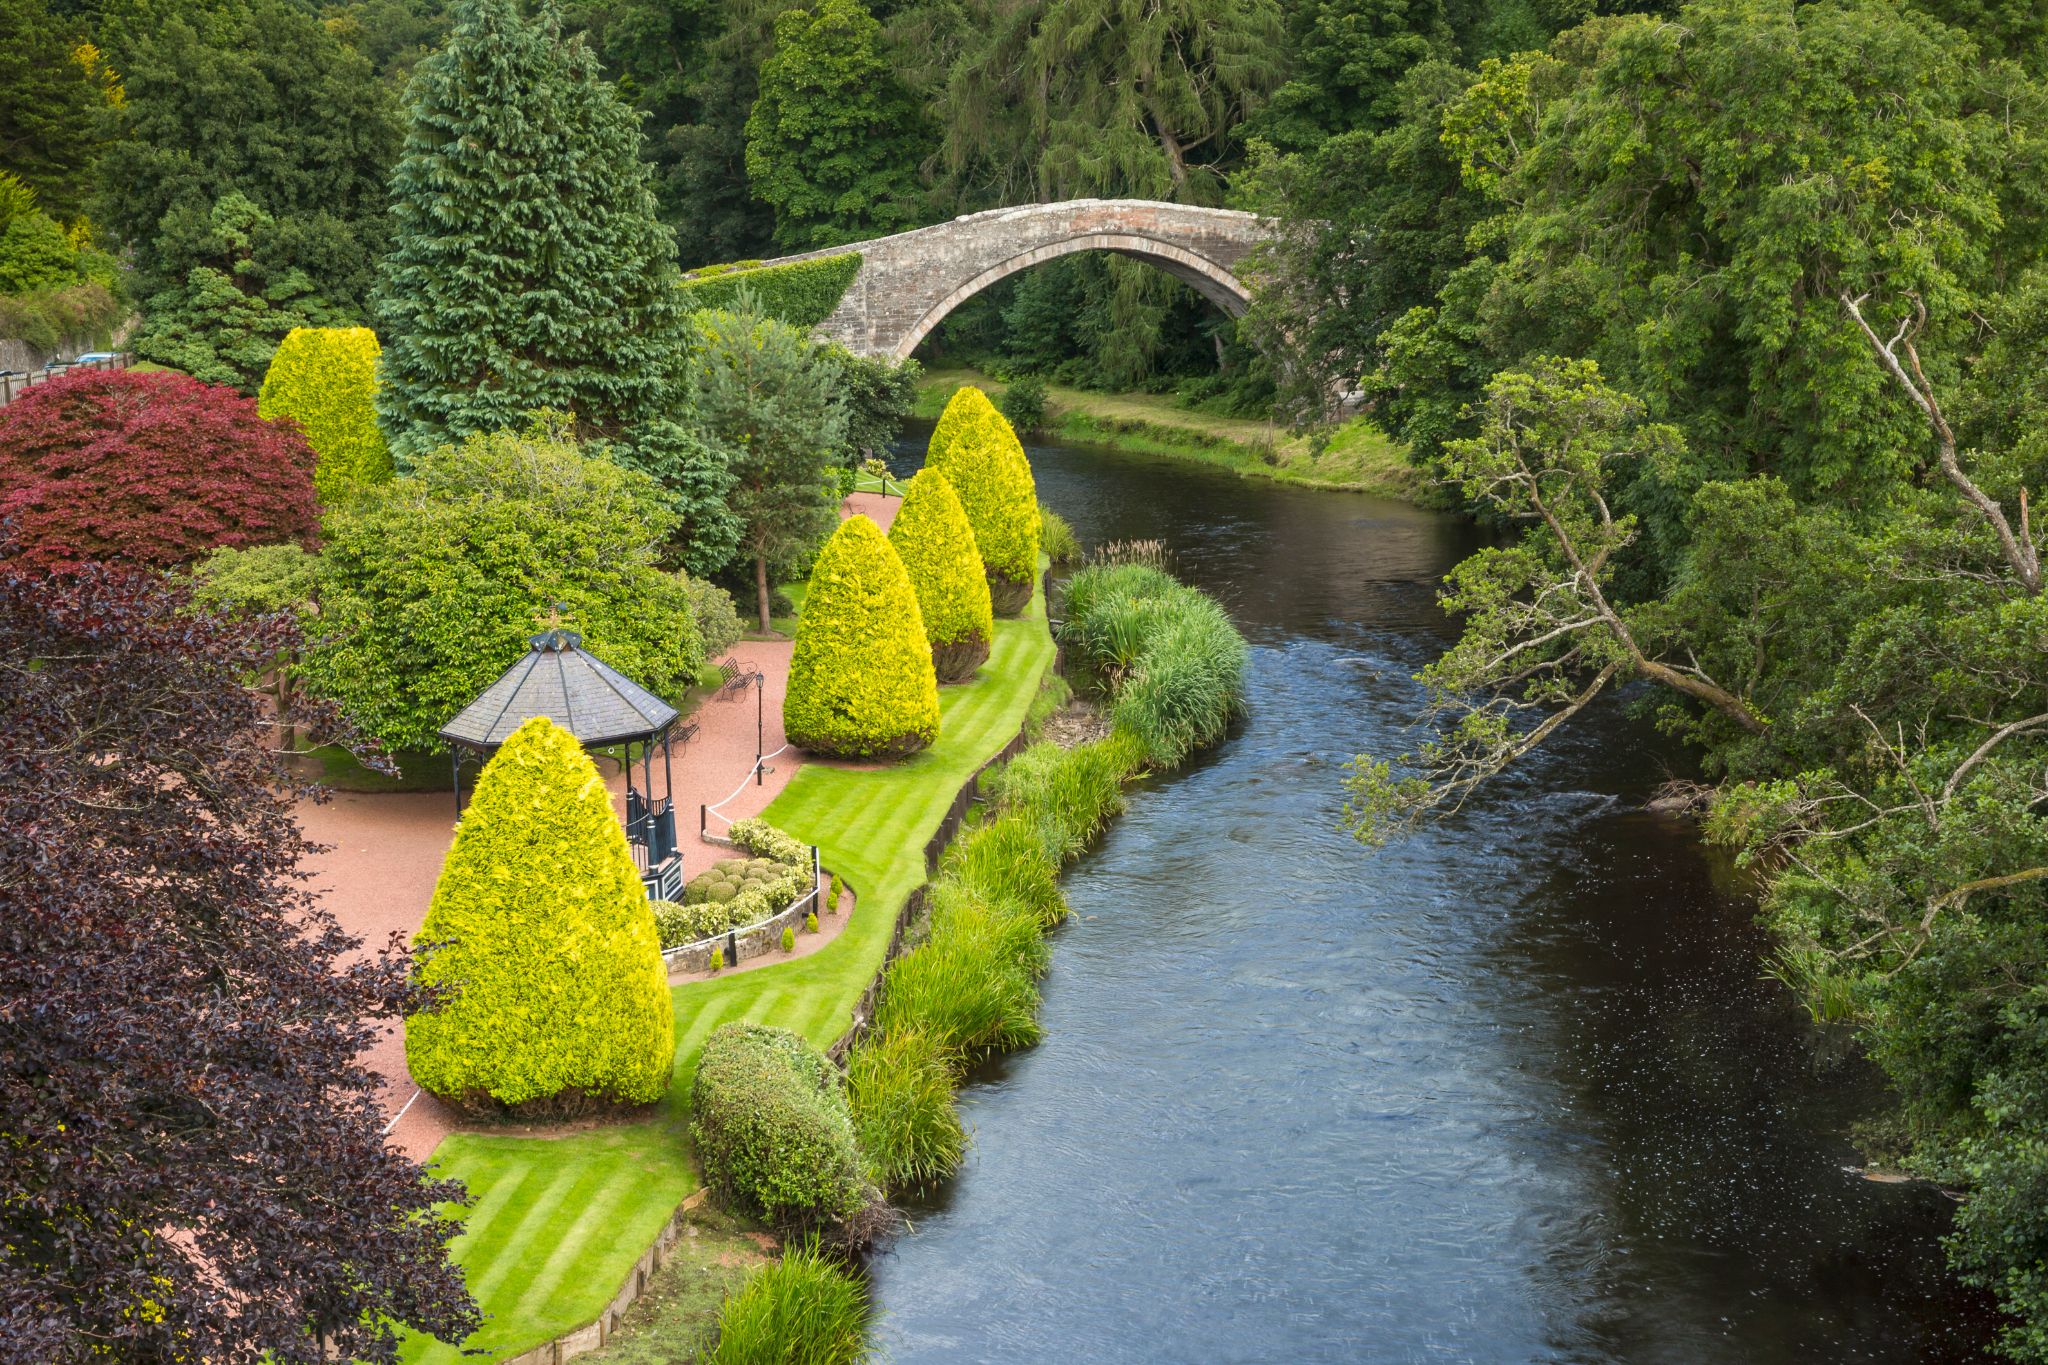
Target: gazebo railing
point(651, 834)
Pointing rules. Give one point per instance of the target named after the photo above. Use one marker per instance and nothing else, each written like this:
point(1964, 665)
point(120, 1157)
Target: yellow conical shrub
point(932, 537)
point(974, 446)
point(325, 379)
point(541, 930)
point(860, 673)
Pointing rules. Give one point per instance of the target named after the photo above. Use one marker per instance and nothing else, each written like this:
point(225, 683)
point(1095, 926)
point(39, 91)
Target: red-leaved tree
point(192, 1165)
point(153, 469)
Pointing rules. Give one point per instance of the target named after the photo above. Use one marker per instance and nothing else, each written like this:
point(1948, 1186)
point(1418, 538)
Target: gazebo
point(604, 709)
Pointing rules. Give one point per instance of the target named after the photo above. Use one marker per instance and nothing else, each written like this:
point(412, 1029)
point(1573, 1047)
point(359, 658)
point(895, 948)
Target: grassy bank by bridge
point(1358, 455)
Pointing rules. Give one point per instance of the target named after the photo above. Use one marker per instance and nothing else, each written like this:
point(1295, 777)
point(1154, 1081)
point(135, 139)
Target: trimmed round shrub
point(975, 448)
point(806, 1309)
point(764, 840)
point(540, 932)
point(149, 469)
point(936, 545)
point(325, 379)
point(788, 939)
point(860, 673)
point(773, 1131)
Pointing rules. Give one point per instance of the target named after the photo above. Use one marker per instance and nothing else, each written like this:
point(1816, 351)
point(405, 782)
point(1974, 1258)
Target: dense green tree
point(257, 100)
point(765, 398)
point(528, 270)
point(1085, 97)
point(430, 584)
point(1348, 61)
point(223, 320)
point(834, 139)
point(693, 67)
point(1377, 219)
point(1785, 483)
point(52, 107)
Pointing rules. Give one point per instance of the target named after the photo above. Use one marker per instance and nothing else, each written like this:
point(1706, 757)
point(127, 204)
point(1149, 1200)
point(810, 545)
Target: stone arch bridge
point(909, 282)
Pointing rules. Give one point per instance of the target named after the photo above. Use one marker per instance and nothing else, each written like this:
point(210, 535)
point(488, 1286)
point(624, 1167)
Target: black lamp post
point(760, 725)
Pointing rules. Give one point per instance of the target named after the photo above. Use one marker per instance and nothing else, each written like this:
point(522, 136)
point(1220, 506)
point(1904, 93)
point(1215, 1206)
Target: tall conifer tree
point(528, 269)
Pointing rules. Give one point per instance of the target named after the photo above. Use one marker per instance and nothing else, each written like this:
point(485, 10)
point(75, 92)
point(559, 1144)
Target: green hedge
point(540, 930)
point(773, 1131)
point(936, 544)
point(860, 673)
point(802, 294)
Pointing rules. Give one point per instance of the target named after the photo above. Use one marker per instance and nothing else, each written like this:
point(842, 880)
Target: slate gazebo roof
point(561, 680)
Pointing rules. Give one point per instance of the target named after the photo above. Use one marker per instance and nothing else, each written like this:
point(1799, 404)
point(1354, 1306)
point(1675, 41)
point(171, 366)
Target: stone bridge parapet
point(909, 282)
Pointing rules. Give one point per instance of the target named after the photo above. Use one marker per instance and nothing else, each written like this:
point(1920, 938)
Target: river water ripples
point(1514, 1089)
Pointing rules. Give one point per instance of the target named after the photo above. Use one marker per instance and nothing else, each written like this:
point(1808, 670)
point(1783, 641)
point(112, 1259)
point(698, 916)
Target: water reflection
point(1512, 1090)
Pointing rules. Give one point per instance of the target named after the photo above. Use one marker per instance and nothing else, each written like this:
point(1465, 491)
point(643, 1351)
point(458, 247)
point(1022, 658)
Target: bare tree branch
point(2020, 552)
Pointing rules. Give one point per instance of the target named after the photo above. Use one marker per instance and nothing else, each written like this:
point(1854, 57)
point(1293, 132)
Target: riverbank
point(556, 1225)
point(1355, 457)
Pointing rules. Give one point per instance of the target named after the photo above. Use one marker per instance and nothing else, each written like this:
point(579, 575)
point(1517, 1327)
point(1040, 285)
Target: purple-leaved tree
point(191, 1159)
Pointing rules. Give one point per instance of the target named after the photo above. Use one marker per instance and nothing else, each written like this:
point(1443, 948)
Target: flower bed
point(740, 905)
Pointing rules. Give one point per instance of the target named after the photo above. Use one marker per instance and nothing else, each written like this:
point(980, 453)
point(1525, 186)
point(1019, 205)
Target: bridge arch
point(1212, 281)
point(909, 282)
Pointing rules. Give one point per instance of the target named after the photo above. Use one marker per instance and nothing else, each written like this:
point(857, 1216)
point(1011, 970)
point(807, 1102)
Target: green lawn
point(558, 1222)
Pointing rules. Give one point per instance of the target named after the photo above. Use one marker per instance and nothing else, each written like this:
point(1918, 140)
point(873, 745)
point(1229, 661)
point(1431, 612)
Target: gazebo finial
point(552, 636)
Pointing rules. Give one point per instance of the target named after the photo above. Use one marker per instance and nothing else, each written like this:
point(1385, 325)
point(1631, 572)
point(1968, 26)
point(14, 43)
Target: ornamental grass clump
point(541, 935)
point(1014, 859)
point(1056, 537)
point(770, 1120)
point(900, 1086)
point(933, 538)
point(1167, 654)
point(325, 379)
point(972, 984)
point(860, 673)
point(805, 1309)
point(974, 447)
point(1076, 791)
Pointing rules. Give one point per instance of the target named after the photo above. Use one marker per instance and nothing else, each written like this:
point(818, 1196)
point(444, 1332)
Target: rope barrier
point(400, 1114)
point(759, 763)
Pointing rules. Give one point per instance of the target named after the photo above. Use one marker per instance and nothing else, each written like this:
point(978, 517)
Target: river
point(1515, 1089)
